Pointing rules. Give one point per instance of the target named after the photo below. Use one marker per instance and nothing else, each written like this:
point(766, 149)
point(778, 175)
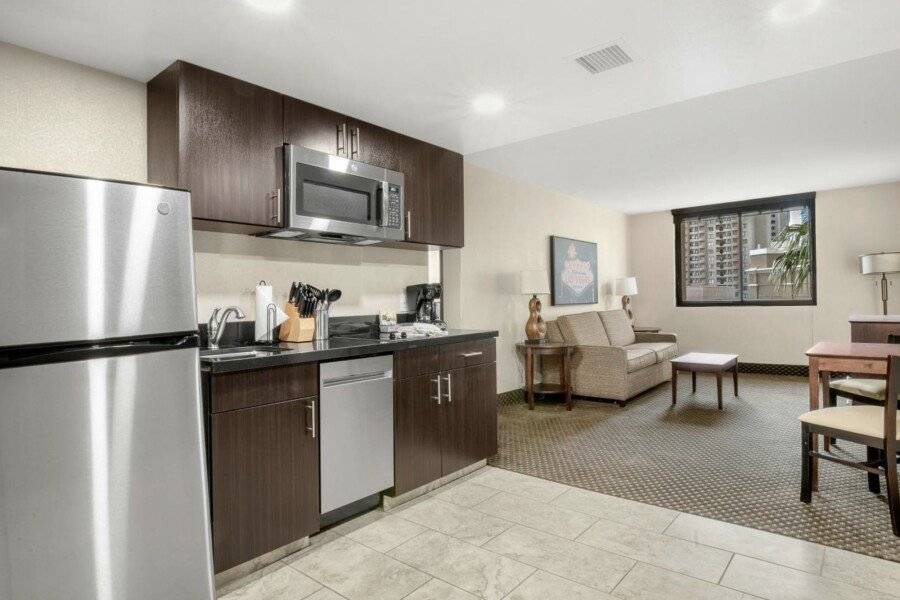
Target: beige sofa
point(611, 361)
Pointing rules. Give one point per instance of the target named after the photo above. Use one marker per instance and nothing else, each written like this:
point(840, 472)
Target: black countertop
point(287, 353)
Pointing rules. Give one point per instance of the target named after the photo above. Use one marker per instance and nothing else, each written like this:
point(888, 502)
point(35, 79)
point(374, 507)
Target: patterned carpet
point(740, 465)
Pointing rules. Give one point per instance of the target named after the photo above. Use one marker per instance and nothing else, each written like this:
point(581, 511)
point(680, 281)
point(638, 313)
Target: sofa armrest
point(602, 357)
point(643, 336)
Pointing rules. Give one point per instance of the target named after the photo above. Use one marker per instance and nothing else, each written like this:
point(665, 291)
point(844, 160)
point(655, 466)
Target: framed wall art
point(573, 271)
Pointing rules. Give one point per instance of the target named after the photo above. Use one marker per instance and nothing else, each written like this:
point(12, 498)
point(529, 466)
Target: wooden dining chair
point(858, 390)
point(871, 425)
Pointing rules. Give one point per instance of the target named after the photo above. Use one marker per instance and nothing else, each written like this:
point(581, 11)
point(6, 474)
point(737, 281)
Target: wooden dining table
point(855, 358)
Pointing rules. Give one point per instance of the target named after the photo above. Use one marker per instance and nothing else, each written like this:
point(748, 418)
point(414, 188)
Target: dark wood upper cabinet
point(375, 145)
point(219, 138)
point(315, 127)
point(434, 193)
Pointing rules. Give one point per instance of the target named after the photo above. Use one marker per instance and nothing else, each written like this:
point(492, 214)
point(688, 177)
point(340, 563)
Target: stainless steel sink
point(238, 353)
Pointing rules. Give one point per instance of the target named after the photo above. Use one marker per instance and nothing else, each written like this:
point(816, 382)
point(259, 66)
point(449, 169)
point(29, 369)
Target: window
point(759, 252)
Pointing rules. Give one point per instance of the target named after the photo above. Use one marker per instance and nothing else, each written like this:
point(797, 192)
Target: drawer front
point(467, 354)
point(245, 389)
point(416, 361)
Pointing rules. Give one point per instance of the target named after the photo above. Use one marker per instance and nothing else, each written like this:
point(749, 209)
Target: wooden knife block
point(296, 328)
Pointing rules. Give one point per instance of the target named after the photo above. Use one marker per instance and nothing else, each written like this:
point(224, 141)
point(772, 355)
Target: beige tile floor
point(499, 535)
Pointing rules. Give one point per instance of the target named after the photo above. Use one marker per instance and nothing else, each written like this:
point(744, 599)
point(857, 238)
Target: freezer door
point(92, 260)
point(102, 480)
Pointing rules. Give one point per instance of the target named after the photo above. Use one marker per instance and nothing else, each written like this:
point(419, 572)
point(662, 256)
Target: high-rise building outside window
point(756, 252)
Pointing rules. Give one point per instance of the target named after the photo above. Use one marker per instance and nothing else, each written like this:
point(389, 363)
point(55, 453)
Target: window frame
point(805, 200)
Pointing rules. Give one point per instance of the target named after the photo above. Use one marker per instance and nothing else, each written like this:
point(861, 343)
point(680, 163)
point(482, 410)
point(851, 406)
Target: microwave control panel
point(391, 216)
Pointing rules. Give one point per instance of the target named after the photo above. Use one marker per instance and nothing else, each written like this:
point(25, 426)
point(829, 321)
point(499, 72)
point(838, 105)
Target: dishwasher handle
point(357, 378)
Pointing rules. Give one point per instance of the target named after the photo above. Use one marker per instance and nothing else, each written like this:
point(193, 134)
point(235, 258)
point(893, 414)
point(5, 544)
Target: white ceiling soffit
point(831, 128)
point(415, 65)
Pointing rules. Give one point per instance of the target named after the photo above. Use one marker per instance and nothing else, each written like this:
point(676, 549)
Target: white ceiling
point(415, 65)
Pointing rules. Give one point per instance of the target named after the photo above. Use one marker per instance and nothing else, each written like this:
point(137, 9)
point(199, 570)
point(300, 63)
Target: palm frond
point(792, 269)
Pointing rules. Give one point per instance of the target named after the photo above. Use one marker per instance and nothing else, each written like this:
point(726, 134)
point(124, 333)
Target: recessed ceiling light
point(488, 104)
point(786, 11)
point(270, 6)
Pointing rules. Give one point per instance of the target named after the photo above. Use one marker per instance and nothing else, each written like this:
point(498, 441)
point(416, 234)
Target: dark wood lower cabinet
point(481, 387)
point(417, 432)
point(264, 479)
point(433, 439)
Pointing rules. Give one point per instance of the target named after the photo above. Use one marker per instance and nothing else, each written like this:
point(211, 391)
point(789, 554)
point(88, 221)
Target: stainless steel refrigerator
point(102, 466)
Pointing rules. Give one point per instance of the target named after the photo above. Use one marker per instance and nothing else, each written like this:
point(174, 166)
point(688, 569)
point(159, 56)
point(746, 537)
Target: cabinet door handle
point(408, 224)
point(437, 380)
point(354, 148)
point(341, 139)
point(311, 407)
point(471, 354)
point(449, 394)
point(276, 205)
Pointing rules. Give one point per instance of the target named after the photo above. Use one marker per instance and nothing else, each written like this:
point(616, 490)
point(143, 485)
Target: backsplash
point(228, 267)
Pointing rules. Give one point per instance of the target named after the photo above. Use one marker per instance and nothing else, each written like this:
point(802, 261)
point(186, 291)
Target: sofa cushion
point(639, 358)
point(553, 332)
point(617, 326)
point(663, 350)
point(583, 329)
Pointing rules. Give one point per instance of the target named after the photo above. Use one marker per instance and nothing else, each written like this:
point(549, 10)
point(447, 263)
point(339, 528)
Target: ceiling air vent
point(604, 59)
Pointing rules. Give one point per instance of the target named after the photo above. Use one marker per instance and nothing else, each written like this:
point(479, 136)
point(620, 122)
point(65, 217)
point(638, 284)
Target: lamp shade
point(625, 286)
point(535, 281)
point(879, 262)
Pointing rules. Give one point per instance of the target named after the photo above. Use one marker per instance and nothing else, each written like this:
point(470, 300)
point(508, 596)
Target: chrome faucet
point(217, 324)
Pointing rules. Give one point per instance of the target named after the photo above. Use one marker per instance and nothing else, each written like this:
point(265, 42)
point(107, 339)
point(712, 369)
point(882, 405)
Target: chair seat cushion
point(663, 350)
point(875, 389)
point(638, 358)
point(861, 420)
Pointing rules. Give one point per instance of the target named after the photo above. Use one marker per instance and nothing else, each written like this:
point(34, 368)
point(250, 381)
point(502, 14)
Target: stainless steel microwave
point(330, 198)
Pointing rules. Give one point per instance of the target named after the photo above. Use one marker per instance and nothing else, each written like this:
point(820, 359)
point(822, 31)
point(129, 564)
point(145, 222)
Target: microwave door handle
point(380, 205)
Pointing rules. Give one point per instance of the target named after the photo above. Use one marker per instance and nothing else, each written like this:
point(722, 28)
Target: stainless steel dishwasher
point(356, 421)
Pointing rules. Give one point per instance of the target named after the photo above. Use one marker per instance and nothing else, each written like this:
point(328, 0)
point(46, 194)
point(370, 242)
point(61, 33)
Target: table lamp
point(880, 263)
point(625, 287)
point(535, 282)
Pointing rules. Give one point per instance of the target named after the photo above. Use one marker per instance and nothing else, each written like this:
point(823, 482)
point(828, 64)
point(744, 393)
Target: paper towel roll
point(263, 301)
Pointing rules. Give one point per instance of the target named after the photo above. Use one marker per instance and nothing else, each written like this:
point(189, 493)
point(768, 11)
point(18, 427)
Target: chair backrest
point(890, 405)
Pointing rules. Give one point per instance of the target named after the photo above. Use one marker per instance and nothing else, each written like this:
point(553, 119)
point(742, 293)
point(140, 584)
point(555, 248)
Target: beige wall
point(229, 266)
point(508, 229)
point(849, 222)
point(57, 115)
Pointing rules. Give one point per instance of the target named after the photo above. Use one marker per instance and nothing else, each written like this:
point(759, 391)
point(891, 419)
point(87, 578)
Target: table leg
point(825, 378)
point(735, 378)
point(529, 377)
point(719, 388)
point(567, 385)
point(694, 382)
point(674, 384)
point(814, 405)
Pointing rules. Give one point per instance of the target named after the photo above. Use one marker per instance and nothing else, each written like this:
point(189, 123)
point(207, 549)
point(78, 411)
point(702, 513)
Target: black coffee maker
point(426, 298)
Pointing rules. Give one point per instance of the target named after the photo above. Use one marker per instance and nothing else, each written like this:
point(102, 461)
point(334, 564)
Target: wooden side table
point(563, 351)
